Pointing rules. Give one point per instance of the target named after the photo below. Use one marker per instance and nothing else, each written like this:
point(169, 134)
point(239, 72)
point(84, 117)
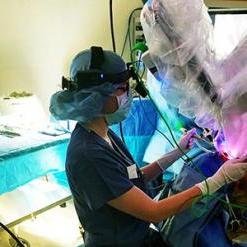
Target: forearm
point(177, 203)
point(136, 203)
point(152, 170)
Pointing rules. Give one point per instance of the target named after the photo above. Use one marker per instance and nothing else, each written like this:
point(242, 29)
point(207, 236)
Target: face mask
point(124, 104)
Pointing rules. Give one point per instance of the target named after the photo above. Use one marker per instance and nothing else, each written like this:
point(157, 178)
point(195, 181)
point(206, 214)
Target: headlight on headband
point(91, 78)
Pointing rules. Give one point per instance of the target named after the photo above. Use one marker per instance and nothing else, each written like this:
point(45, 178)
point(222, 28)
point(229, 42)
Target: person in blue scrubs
point(108, 188)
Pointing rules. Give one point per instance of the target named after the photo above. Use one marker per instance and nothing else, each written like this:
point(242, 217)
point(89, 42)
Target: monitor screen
point(229, 29)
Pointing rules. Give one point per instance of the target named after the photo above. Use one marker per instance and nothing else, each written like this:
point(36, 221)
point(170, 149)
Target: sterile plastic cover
point(180, 38)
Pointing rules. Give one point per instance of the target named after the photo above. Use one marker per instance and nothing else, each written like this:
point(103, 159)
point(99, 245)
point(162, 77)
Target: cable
point(114, 49)
point(12, 235)
point(161, 186)
point(112, 26)
point(127, 36)
point(165, 121)
point(125, 41)
point(159, 131)
point(239, 206)
point(157, 109)
point(146, 116)
point(169, 129)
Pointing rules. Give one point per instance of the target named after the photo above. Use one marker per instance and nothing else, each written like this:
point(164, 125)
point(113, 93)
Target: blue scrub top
point(97, 173)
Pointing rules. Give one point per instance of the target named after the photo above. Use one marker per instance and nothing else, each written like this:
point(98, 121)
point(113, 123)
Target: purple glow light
point(235, 133)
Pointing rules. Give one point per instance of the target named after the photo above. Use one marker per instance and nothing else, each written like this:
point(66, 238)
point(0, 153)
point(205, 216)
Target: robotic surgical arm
point(181, 55)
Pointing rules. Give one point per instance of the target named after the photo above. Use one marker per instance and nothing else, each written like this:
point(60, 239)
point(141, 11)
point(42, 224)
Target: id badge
point(132, 171)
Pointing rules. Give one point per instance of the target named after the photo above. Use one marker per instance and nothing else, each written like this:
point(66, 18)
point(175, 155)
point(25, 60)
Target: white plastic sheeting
point(182, 52)
point(180, 38)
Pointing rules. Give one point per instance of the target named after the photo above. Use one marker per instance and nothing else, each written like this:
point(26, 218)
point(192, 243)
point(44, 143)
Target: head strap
point(97, 58)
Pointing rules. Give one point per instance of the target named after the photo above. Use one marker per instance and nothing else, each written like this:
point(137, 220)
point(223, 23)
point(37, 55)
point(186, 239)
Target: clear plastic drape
point(180, 38)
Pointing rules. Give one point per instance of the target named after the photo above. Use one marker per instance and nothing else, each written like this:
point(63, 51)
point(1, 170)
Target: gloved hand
point(187, 140)
point(230, 171)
